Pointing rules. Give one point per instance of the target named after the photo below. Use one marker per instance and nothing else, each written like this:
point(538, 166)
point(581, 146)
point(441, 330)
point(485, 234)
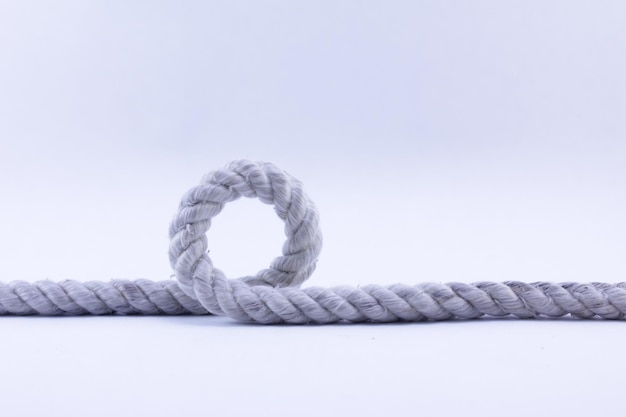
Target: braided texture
point(273, 294)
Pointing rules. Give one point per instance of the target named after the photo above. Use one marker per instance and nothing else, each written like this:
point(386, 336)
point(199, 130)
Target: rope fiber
point(274, 295)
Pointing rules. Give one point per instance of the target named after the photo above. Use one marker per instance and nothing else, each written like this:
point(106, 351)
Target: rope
point(273, 294)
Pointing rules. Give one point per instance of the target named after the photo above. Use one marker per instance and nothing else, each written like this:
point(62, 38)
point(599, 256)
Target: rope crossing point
point(274, 295)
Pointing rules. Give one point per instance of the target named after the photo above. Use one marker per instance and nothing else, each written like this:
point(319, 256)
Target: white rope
point(273, 294)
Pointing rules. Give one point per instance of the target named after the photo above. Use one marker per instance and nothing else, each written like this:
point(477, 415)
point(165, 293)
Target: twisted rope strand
point(74, 298)
point(273, 294)
point(426, 301)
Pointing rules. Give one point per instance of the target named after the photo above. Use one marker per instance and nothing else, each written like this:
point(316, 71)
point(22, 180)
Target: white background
point(441, 140)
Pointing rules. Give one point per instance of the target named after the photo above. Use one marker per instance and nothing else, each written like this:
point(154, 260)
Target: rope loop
point(189, 258)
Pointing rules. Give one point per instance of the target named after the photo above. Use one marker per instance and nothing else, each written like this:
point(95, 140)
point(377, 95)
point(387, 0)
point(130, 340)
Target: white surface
point(193, 366)
point(441, 141)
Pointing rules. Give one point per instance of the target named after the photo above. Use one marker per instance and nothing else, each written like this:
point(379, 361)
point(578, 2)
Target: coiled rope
point(273, 294)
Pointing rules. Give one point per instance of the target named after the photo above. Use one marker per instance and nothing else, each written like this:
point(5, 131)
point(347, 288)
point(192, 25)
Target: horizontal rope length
point(273, 294)
point(427, 301)
point(51, 298)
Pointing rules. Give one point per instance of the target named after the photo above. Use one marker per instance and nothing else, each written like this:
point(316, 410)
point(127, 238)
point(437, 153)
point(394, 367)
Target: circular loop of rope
point(189, 258)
